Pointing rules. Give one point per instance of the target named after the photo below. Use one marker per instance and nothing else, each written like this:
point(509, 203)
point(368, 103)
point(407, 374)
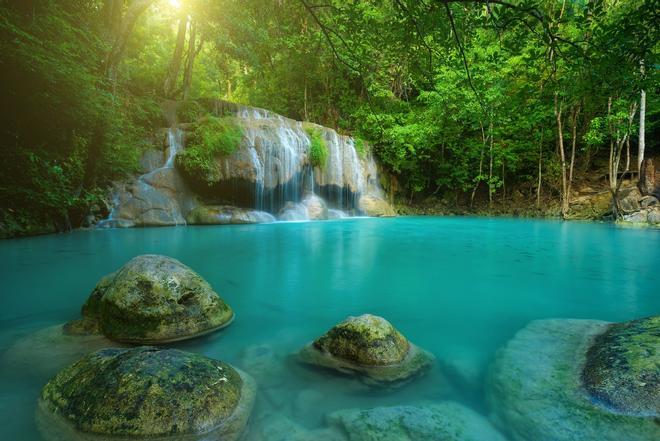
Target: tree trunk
point(135, 9)
point(642, 123)
point(490, 167)
point(617, 141)
point(484, 140)
point(538, 184)
point(193, 50)
point(576, 114)
point(562, 156)
point(175, 64)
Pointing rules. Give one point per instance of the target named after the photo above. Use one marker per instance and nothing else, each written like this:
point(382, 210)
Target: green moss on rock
point(92, 307)
point(368, 340)
point(318, 149)
point(210, 137)
point(623, 367)
point(370, 347)
point(146, 392)
point(155, 299)
point(535, 390)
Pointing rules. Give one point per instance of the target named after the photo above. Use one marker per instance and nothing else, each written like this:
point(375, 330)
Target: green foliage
point(390, 71)
point(318, 149)
point(189, 111)
point(65, 135)
point(210, 137)
point(361, 147)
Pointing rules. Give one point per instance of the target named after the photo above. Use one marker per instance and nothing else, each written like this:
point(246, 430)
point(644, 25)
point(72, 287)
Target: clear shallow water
point(459, 287)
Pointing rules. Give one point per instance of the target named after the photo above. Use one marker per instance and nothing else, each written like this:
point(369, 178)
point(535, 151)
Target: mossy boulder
point(622, 371)
point(370, 346)
point(155, 299)
point(146, 392)
point(535, 388)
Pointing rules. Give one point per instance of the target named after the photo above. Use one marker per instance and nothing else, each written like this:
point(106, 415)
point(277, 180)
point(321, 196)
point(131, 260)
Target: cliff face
point(271, 172)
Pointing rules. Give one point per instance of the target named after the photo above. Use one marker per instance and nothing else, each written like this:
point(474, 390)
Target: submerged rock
point(535, 388)
point(376, 206)
point(146, 392)
point(226, 214)
point(369, 346)
point(622, 370)
point(278, 427)
point(48, 350)
point(155, 299)
point(446, 421)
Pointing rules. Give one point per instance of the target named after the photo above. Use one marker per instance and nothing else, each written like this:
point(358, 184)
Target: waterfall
point(268, 174)
point(279, 152)
point(175, 145)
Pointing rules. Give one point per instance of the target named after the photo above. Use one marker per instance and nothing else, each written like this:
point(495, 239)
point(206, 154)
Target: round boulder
point(146, 392)
point(155, 299)
point(622, 371)
point(369, 346)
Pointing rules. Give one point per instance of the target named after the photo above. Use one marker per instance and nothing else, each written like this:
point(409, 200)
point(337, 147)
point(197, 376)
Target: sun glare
point(175, 3)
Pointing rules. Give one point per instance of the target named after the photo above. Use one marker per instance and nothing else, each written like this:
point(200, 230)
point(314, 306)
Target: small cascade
point(175, 145)
point(152, 198)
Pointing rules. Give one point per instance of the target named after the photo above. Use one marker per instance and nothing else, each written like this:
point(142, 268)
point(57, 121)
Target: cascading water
point(283, 176)
point(151, 199)
point(270, 173)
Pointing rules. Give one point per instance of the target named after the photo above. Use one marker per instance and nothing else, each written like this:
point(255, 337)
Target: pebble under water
point(458, 287)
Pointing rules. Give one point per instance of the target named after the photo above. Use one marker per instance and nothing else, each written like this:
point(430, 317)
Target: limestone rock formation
point(154, 299)
point(536, 390)
point(316, 207)
point(146, 392)
point(270, 170)
point(446, 421)
point(376, 206)
point(369, 346)
point(644, 216)
point(647, 179)
point(629, 199)
point(224, 214)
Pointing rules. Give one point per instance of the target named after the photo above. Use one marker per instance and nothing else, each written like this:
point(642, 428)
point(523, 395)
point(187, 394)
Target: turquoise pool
point(459, 287)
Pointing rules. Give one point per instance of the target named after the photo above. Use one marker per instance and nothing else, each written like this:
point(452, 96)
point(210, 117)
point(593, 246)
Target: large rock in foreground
point(369, 346)
point(146, 392)
point(155, 299)
point(622, 371)
point(535, 388)
point(445, 421)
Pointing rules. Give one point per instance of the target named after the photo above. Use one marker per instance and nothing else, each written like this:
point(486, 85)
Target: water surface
point(459, 287)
